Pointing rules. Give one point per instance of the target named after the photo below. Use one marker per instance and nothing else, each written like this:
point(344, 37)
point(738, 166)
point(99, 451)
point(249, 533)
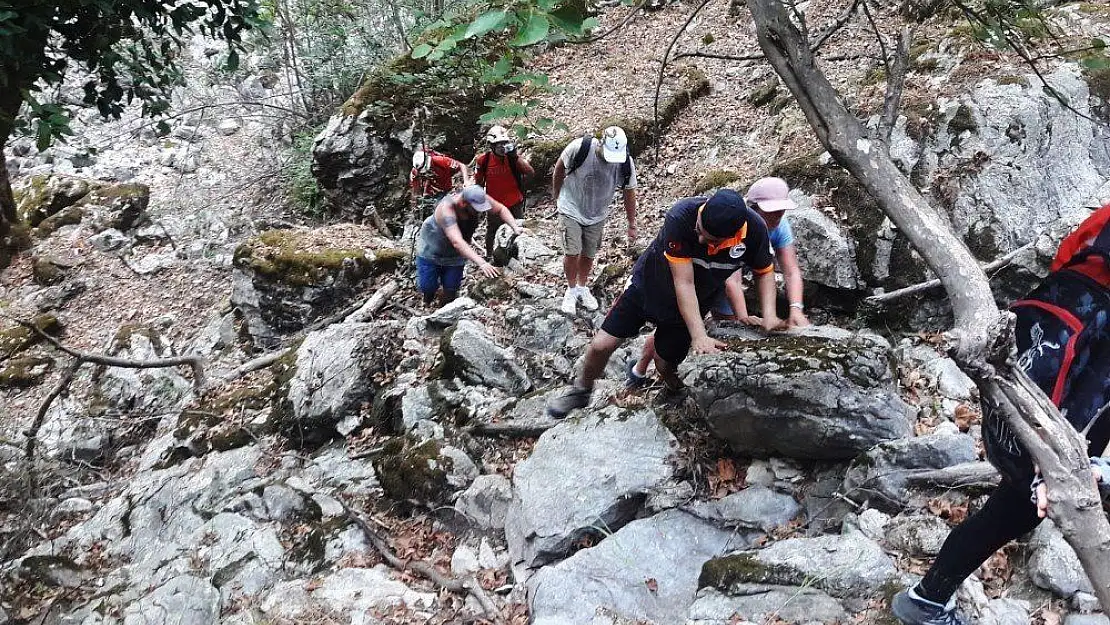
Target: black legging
point(1007, 515)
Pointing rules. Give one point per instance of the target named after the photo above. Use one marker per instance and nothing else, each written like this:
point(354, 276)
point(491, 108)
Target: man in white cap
point(433, 175)
point(443, 245)
point(586, 175)
point(770, 198)
point(502, 171)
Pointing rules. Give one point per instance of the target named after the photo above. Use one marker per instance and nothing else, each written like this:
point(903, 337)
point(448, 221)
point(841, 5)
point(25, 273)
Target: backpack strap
point(626, 171)
point(583, 152)
point(511, 158)
point(1099, 247)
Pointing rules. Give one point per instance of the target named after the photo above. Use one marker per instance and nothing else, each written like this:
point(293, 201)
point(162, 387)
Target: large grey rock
point(848, 566)
point(816, 395)
point(883, 471)
point(356, 166)
point(469, 353)
point(184, 600)
point(142, 391)
point(645, 572)
point(1005, 612)
point(334, 374)
point(1086, 619)
point(825, 255)
point(788, 605)
point(755, 507)
point(362, 591)
point(586, 476)
point(1054, 565)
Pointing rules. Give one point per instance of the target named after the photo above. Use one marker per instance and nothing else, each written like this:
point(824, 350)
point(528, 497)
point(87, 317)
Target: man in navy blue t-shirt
point(694, 259)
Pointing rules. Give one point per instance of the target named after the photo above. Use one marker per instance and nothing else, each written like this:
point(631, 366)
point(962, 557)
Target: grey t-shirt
point(587, 194)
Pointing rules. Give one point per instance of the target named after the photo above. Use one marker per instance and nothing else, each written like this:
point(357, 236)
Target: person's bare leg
point(570, 268)
point(585, 265)
point(646, 356)
point(668, 373)
point(597, 356)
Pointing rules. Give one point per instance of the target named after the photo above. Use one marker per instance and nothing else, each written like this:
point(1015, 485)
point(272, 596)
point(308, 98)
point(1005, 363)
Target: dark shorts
point(429, 276)
point(628, 315)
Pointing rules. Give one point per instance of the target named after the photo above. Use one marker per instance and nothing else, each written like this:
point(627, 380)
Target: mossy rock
point(714, 179)
point(1098, 82)
point(40, 196)
point(641, 131)
point(1094, 8)
point(764, 93)
point(542, 156)
point(69, 216)
point(409, 470)
point(24, 371)
point(725, 572)
point(45, 272)
point(14, 237)
point(487, 289)
point(284, 256)
point(125, 205)
point(15, 339)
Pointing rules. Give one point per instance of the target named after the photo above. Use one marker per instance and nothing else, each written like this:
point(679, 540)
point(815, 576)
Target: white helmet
point(421, 162)
point(498, 134)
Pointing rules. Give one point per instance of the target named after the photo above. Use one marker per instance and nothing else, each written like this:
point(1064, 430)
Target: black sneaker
point(632, 379)
point(916, 611)
point(574, 397)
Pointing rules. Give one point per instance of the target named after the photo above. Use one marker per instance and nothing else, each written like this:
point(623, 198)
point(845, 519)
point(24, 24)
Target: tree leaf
point(534, 31)
point(568, 19)
point(488, 21)
point(1096, 62)
point(421, 51)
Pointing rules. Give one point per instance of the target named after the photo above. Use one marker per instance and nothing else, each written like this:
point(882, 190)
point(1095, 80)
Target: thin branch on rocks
point(896, 81)
point(530, 429)
point(663, 71)
point(40, 416)
point(913, 289)
point(374, 304)
point(969, 475)
point(422, 568)
point(197, 363)
point(624, 22)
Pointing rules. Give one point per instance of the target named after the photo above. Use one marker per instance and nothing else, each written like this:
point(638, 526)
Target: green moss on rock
point(24, 371)
point(714, 179)
point(45, 273)
point(409, 470)
point(42, 195)
point(744, 568)
point(15, 339)
point(285, 256)
point(70, 216)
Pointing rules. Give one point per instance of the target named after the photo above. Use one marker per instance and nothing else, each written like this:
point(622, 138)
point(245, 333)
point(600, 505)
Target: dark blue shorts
point(628, 315)
point(430, 276)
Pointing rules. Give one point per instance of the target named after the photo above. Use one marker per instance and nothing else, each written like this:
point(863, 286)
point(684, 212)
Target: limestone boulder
point(587, 476)
point(821, 394)
point(647, 572)
point(471, 354)
point(885, 469)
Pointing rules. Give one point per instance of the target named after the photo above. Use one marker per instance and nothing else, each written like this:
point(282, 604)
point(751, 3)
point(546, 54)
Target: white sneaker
point(588, 300)
point(570, 302)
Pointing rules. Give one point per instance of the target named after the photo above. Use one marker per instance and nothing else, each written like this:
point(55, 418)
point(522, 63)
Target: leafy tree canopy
point(126, 48)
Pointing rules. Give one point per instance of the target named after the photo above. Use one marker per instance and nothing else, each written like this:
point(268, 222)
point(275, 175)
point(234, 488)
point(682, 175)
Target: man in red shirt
point(502, 171)
point(432, 176)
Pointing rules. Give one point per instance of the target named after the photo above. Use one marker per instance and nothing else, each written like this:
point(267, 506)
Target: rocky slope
point(336, 436)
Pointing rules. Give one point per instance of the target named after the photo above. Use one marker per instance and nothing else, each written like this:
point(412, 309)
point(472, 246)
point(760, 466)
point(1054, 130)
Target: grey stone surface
point(333, 471)
point(461, 308)
point(486, 501)
point(816, 395)
point(1054, 565)
point(755, 507)
point(183, 600)
point(472, 355)
point(334, 376)
point(646, 571)
point(884, 469)
point(586, 476)
point(917, 535)
point(1005, 612)
point(1086, 619)
point(143, 391)
point(788, 605)
point(361, 591)
point(825, 255)
point(109, 240)
point(463, 471)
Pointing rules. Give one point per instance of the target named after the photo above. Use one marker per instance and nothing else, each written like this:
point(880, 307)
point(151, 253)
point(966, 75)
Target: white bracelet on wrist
point(798, 305)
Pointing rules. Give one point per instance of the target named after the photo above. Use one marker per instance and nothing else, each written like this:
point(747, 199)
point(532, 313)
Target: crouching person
point(703, 243)
point(443, 244)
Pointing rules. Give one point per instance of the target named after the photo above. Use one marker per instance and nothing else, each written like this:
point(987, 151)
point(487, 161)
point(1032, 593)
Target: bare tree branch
point(896, 81)
point(913, 289)
point(663, 69)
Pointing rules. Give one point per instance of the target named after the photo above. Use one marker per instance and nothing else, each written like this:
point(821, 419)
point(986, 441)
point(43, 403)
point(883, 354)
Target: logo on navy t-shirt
point(737, 250)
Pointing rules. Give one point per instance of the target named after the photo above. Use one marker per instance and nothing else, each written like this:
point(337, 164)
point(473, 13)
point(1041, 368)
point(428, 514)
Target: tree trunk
point(12, 238)
point(982, 336)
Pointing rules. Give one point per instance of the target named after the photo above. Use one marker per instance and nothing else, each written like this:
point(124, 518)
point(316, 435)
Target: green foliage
point(127, 48)
point(303, 190)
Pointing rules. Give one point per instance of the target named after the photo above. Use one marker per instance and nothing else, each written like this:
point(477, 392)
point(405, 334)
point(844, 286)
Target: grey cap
point(475, 196)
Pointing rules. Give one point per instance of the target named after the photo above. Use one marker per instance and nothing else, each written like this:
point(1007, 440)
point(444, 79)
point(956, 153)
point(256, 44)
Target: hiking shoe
point(632, 379)
point(913, 610)
point(570, 302)
point(588, 300)
point(574, 397)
